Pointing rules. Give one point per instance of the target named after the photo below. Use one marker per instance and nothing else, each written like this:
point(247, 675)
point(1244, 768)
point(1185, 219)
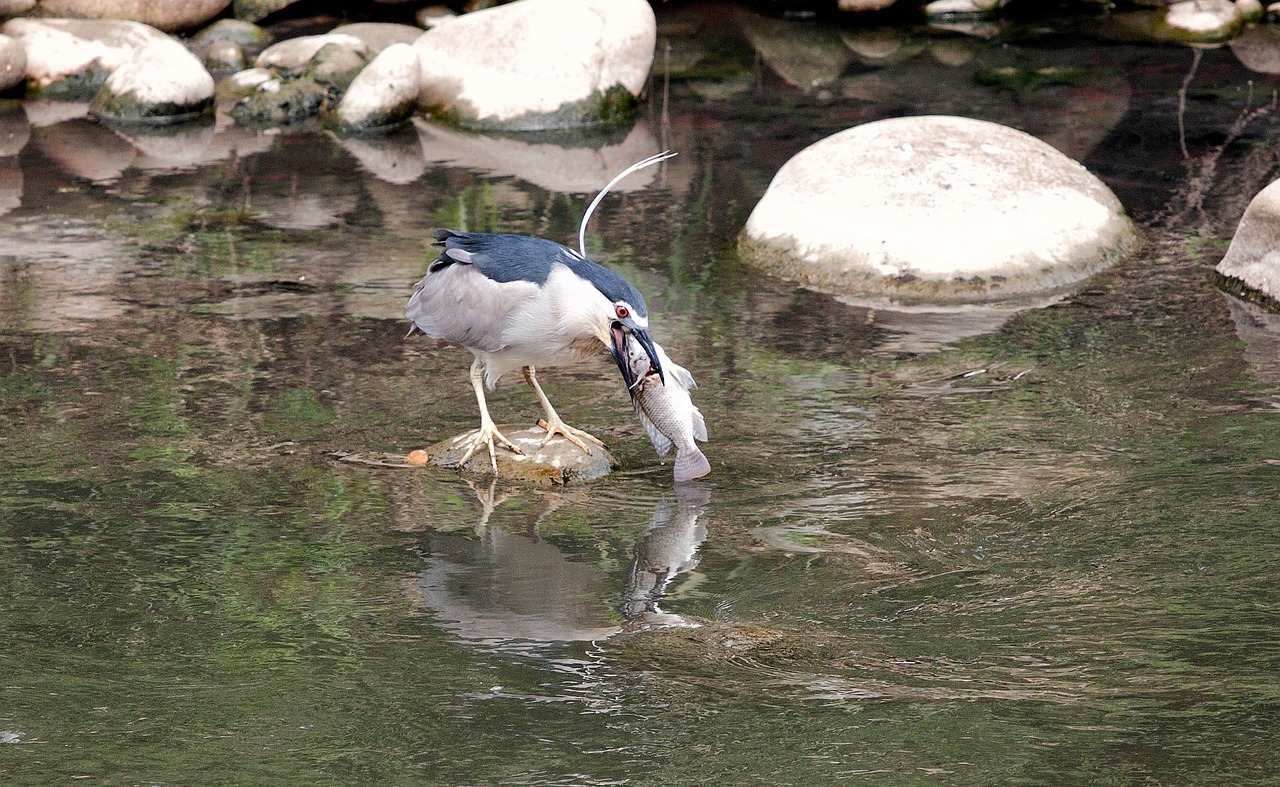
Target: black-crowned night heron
point(523, 303)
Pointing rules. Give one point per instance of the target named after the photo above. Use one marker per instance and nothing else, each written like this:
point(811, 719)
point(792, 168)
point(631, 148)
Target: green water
point(1043, 554)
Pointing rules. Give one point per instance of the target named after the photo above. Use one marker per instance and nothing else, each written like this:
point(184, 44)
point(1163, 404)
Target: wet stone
point(558, 462)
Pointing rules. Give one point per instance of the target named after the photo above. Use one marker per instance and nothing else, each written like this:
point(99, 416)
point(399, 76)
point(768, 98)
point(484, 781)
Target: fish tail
point(691, 464)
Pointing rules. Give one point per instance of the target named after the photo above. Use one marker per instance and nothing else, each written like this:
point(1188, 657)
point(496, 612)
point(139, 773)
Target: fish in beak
point(618, 348)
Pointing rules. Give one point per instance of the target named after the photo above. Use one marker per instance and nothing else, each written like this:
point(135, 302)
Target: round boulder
point(162, 83)
point(538, 64)
point(1252, 263)
point(1204, 21)
point(935, 209)
point(161, 14)
point(384, 94)
point(13, 63)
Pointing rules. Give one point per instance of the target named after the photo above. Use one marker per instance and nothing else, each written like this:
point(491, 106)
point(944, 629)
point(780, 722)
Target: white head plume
point(639, 165)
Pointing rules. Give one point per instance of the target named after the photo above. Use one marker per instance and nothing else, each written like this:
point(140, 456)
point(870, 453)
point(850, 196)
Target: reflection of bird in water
point(668, 548)
point(514, 593)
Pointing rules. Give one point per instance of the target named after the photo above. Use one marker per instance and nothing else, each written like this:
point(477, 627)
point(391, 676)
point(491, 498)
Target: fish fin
point(699, 425)
point(661, 443)
point(691, 464)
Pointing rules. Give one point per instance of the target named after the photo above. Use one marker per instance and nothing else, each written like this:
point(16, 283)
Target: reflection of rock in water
point(668, 548)
point(508, 591)
point(1259, 329)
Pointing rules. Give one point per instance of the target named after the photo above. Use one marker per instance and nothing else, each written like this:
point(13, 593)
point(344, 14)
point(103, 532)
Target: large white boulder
point(1204, 21)
point(384, 94)
point(162, 83)
point(1252, 262)
point(71, 58)
point(538, 64)
point(162, 14)
point(935, 209)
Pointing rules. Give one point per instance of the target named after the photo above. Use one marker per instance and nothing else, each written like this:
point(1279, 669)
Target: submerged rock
point(71, 58)
point(161, 14)
point(936, 209)
point(162, 83)
point(13, 63)
point(557, 462)
point(384, 94)
point(538, 64)
point(1252, 262)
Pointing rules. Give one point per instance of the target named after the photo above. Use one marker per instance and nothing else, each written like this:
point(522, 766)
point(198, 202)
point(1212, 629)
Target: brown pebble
point(417, 457)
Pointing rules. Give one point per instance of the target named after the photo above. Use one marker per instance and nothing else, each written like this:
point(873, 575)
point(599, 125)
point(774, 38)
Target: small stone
point(224, 56)
point(558, 462)
point(434, 15)
point(249, 37)
point(418, 458)
point(384, 94)
point(1252, 261)
point(281, 103)
point(1250, 10)
point(964, 7)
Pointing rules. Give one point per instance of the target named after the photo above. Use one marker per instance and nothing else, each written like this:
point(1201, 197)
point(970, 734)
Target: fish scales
point(667, 412)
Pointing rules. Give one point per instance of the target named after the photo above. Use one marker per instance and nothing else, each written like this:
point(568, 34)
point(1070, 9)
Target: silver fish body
point(667, 412)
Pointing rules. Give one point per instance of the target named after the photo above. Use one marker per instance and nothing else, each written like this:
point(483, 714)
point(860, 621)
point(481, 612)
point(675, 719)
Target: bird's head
point(626, 315)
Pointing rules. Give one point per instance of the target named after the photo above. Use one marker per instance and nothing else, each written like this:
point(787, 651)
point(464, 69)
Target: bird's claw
point(575, 436)
point(486, 437)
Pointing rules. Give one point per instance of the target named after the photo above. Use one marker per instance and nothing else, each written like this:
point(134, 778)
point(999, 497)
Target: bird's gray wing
point(458, 303)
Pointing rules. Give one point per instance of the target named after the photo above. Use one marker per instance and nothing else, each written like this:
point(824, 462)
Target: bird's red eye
point(622, 312)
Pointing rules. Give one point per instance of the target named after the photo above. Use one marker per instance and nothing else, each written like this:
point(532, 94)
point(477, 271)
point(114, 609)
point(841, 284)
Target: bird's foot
point(489, 433)
point(575, 436)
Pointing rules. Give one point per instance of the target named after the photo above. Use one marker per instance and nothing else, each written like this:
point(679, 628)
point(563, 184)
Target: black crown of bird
point(518, 302)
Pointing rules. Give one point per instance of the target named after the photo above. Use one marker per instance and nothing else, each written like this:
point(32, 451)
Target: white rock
point(162, 83)
point(13, 62)
point(1253, 258)
point(162, 14)
point(248, 80)
point(61, 49)
point(1204, 19)
point(963, 7)
point(517, 64)
point(1249, 10)
point(935, 209)
point(384, 93)
point(297, 52)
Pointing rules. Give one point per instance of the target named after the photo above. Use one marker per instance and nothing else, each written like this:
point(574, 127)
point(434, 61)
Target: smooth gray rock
point(935, 209)
point(249, 37)
point(167, 15)
point(296, 53)
point(225, 56)
point(335, 66)
point(1252, 261)
point(1204, 21)
point(384, 94)
point(13, 62)
point(377, 36)
point(538, 64)
point(71, 58)
point(558, 462)
point(162, 83)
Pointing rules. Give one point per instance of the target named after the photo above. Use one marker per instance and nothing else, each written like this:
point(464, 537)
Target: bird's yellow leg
point(488, 430)
point(552, 422)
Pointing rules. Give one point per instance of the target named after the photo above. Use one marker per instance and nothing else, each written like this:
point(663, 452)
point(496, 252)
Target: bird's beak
point(618, 348)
